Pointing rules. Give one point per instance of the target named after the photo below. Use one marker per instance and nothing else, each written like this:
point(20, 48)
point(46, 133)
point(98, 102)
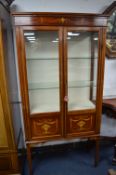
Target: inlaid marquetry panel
point(3, 137)
point(81, 123)
point(45, 127)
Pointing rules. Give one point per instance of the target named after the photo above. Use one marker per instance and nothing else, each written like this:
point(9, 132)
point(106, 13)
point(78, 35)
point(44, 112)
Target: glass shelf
point(55, 85)
point(84, 83)
point(44, 59)
point(71, 58)
point(89, 58)
point(46, 85)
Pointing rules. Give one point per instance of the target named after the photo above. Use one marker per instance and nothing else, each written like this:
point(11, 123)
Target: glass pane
point(42, 59)
point(82, 69)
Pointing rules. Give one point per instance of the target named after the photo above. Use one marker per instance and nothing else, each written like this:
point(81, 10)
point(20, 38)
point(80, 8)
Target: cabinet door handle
point(66, 99)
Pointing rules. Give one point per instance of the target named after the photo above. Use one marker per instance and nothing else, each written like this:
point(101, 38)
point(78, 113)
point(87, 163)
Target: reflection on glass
point(111, 32)
point(42, 61)
point(82, 69)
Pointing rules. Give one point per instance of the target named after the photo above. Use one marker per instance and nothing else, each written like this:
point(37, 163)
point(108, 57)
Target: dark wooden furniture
point(8, 152)
point(61, 68)
point(109, 107)
point(111, 31)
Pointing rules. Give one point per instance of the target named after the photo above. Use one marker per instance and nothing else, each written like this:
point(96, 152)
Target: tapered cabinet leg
point(29, 158)
point(114, 158)
point(97, 151)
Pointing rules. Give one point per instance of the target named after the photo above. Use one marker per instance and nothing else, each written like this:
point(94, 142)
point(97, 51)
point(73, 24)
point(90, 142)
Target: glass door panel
point(42, 61)
point(82, 69)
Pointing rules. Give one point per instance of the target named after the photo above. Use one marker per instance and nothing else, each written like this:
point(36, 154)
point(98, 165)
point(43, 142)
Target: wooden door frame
point(100, 72)
point(23, 74)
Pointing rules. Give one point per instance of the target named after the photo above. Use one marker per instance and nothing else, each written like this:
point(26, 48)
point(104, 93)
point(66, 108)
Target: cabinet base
point(33, 143)
point(9, 163)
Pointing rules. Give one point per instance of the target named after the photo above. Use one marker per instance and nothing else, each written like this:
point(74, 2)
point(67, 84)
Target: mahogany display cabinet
point(61, 68)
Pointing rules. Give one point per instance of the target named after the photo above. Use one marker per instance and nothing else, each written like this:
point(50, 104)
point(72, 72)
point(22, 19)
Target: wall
point(110, 79)
point(89, 6)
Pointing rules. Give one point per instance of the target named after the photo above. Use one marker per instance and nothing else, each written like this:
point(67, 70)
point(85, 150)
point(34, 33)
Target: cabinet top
point(59, 18)
point(57, 14)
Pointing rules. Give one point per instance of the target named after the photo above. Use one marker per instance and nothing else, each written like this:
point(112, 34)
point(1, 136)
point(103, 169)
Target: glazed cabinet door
point(81, 64)
point(41, 81)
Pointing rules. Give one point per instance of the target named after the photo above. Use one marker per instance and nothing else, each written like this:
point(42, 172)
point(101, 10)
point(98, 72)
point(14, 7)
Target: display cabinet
point(61, 69)
point(111, 31)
